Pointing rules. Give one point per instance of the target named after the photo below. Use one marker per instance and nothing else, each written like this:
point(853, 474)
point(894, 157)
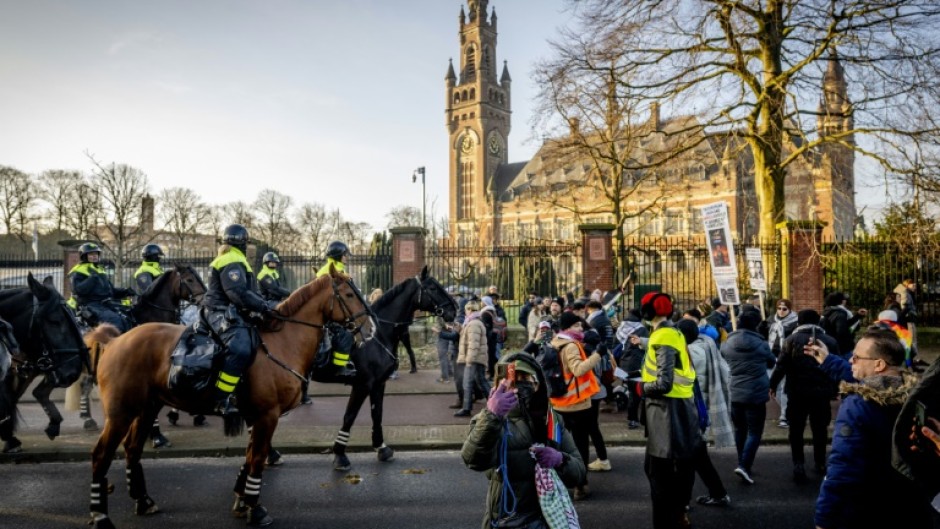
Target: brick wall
point(597, 257)
point(407, 252)
point(802, 267)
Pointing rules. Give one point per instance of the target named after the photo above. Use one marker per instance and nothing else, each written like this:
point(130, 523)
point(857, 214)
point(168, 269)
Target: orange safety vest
point(583, 388)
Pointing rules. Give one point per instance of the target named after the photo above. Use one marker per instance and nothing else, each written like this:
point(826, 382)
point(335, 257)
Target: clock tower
point(477, 115)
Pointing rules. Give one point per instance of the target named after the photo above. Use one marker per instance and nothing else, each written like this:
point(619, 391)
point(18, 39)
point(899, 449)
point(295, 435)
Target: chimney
point(146, 215)
point(654, 116)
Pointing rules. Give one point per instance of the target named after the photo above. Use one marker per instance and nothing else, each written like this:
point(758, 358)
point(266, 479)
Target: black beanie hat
point(567, 319)
point(807, 317)
point(689, 329)
point(749, 319)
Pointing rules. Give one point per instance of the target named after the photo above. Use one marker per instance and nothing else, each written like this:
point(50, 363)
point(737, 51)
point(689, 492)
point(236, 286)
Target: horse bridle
point(350, 319)
point(45, 362)
point(422, 290)
point(188, 297)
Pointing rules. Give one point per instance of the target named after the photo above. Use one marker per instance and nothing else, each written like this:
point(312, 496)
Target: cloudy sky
point(335, 102)
point(330, 102)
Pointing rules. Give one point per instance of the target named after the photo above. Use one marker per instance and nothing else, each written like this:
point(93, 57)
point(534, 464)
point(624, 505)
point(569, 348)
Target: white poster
point(721, 252)
point(755, 268)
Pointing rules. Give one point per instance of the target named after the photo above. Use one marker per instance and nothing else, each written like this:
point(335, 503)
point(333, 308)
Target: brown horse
point(132, 377)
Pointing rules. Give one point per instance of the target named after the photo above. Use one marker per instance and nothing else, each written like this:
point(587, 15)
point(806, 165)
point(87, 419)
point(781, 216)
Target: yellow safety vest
point(266, 271)
point(684, 376)
point(325, 269)
point(233, 255)
point(150, 267)
point(86, 269)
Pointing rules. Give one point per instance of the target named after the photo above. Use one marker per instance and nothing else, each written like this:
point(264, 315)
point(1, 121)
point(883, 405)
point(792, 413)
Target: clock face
point(494, 145)
point(467, 144)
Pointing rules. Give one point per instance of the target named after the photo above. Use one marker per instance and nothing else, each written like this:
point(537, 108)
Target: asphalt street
point(419, 490)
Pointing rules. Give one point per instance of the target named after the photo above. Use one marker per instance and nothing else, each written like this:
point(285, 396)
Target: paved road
point(419, 490)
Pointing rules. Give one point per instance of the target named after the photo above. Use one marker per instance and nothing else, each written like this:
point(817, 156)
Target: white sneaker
point(743, 474)
point(600, 465)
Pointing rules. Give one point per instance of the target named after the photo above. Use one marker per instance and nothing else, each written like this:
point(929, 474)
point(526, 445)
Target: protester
point(631, 333)
point(916, 452)
point(713, 375)
point(840, 322)
point(532, 301)
point(861, 488)
point(472, 354)
point(720, 319)
point(447, 337)
point(672, 424)
point(575, 405)
point(810, 385)
point(516, 431)
point(905, 292)
point(749, 356)
point(778, 327)
point(534, 317)
point(593, 341)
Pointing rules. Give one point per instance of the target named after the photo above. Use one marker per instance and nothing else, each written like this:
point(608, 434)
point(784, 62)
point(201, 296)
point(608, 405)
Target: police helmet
point(236, 235)
point(336, 250)
point(152, 252)
point(87, 248)
point(270, 257)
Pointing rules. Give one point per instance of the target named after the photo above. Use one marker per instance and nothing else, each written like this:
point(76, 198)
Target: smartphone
point(507, 371)
point(920, 415)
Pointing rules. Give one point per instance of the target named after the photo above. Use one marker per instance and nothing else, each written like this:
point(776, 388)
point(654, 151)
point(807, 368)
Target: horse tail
point(96, 340)
point(234, 424)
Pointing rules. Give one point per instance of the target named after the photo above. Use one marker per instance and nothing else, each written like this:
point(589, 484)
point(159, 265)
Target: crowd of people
point(702, 379)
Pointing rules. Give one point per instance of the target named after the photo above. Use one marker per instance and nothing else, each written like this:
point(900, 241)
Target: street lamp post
point(424, 200)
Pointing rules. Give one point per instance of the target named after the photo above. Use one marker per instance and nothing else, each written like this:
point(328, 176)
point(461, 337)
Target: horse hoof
point(145, 506)
point(90, 424)
point(160, 441)
point(103, 523)
point(386, 454)
point(240, 509)
point(274, 459)
point(13, 446)
point(341, 463)
point(200, 420)
point(258, 517)
point(52, 431)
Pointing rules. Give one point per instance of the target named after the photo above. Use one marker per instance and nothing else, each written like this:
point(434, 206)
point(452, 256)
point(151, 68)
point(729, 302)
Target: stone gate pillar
point(801, 263)
point(69, 260)
point(597, 262)
point(407, 252)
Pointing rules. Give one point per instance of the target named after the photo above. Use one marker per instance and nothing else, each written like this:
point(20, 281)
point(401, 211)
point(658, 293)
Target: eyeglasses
point(856, 357)
point(785, 309)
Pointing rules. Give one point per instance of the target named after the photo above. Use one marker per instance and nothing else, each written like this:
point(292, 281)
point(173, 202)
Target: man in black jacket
point(809, 389)
point(840, 322)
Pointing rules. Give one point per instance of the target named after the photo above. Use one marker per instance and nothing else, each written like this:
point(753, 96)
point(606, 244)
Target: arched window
point(470, 64)
point(473, 94)
point(463, 96)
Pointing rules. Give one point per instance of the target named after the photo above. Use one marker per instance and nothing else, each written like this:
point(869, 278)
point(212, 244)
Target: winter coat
point(631, 360)
point(573, 366)
point(472, 347)
point(906, 300)
point(719, 320)
point(840, 324)
point(922, 467)
point(861, 488)
point(672, 427)
point(532, 323)
point(773, 333)
point(806, 378)
point(481, 452)
point(749, 357)
point(601, 323)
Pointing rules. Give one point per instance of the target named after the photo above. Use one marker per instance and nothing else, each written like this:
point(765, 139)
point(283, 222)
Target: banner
point(755, 268)
point(721, 252)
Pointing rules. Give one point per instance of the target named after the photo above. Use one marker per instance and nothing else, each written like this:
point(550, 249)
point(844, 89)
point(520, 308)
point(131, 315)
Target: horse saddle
point(195, 360)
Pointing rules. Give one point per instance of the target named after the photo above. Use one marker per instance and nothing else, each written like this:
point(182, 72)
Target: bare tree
point(756, 68)
point(272, 210)
point(313, 224)
point(57, 189)
point(403, 216)
point(17, 200)
point(122, 189)
point(85, 210)
point(238, 213)
point(182, 212)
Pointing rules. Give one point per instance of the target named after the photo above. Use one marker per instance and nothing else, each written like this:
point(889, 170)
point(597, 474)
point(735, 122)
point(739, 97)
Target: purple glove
point(546, 456)
point(502, 399)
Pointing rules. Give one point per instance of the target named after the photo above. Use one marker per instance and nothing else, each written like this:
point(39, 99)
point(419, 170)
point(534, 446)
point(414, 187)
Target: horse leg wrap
point(240, 480)
point(136, 486)
point(252, 491)
point(83, 407)
point(339, 444)
point(99, 499)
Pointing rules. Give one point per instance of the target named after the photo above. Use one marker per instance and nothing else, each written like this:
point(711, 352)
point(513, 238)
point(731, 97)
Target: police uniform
point(269, 282)
point(145, 276)
point(230, 296)
point(93, 291)
point(340, 339)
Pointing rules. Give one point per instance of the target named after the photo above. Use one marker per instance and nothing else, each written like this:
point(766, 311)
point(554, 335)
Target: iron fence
point(14, 269)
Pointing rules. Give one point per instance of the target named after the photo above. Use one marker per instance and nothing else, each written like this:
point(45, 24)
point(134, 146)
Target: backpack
point(550, 362)
point(499, 329)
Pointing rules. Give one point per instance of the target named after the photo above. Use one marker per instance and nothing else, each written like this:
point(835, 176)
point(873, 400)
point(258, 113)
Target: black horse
point(159, 304)
point(50, 345)
point(377, 358)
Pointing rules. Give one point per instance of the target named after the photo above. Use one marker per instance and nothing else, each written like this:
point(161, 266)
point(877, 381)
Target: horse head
point(433, 298)
point(190, 287)
point(51, 322)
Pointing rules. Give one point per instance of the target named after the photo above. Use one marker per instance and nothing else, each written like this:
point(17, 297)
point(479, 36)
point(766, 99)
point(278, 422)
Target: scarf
point(719, 396)
point(576, 336)
point(627, 328)
point(776, 329)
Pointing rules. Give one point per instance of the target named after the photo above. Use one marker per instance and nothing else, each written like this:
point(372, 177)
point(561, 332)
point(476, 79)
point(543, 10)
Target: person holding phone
point(917, 434)
point(861, 488)
point(516, 430)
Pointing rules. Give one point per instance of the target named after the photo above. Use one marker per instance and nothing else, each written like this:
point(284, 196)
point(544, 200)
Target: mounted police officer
point(150, 268)
point(340, 339)
point(230, 298)
point(93, 290)
point(269, 279)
